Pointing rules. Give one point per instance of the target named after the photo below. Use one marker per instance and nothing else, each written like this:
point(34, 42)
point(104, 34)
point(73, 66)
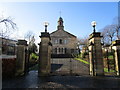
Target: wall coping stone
point(95, 34)
point(22, 42)
point(45, 34)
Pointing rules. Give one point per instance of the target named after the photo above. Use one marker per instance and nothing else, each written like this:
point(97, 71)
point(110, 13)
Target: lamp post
point(46, 24)
point(93, 23)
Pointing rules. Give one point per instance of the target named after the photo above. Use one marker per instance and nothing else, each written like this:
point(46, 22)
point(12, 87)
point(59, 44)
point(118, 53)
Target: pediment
point(61, 33)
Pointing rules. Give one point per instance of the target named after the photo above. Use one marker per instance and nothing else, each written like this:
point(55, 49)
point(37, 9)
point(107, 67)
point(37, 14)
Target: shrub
point(34, 56)
point(84, 54)
point(33, 59)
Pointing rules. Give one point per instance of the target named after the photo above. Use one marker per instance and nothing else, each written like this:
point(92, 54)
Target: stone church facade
point(62, 41)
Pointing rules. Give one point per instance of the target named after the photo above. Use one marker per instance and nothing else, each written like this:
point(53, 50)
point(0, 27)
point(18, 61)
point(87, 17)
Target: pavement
point(32, 80)
point(62, 78)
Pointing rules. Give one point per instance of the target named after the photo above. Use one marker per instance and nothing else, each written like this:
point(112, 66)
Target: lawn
point(110, 57)
point(105, 69)
point(82, 60)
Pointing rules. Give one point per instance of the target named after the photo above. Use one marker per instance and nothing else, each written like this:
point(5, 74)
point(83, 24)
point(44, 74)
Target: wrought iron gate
point(109, 62)
point(68, 66)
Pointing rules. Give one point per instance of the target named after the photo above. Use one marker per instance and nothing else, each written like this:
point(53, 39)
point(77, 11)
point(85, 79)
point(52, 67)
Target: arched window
point(62, 50)
point(60, 41)
point(56, 41)
point(65, 50)
point(65, 41)
point(56, 50)
point(59, 50)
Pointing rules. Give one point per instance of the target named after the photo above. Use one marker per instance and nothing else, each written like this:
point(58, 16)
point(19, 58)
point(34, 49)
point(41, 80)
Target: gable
point(61, 33)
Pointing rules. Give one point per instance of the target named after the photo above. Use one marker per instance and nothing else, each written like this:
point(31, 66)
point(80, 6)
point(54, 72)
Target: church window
point(56, 41)
point(65, 41)
point(65, 50)
point(55, 50)
point(62, 50)
point(59, 50)
point(60, 41)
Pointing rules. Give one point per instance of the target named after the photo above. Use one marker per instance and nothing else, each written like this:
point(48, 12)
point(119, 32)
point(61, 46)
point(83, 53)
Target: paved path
point(69, 66)
point(33, 81)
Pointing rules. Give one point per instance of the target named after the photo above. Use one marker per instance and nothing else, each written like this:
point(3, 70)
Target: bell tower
point(60, 24)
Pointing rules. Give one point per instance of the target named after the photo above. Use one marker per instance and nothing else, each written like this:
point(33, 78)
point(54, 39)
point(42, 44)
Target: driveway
point(65, 66)
point(32, 80)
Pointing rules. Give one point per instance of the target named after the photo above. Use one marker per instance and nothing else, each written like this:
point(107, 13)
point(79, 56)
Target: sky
point(77, 16)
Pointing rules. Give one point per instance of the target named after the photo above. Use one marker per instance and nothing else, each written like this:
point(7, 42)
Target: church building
point(62, 41)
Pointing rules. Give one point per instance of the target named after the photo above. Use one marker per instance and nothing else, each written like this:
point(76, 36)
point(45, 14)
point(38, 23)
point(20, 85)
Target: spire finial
point(60, 13)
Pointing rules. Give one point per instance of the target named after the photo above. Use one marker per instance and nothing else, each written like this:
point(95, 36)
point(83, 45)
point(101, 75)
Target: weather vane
point(60, 13)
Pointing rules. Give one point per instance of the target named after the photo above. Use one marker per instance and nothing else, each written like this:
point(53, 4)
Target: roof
point(60, 19)
point(66, 32)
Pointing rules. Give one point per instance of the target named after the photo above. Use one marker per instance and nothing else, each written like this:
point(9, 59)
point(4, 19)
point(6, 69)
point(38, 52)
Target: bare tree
point(28, 35)
point(116, 23)
point(118, 31)
point(7, 26)
point(104, 37)
point(111, 32)
point(108, 33)
point(83, 41)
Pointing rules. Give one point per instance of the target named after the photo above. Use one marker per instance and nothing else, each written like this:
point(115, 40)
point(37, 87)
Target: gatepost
point(95, 54)
point(21, 57)
point(44, 54)
point(116, 48)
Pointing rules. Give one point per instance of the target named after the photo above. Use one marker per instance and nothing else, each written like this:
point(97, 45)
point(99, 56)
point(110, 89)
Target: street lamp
point(93, 23)
point(46, 24)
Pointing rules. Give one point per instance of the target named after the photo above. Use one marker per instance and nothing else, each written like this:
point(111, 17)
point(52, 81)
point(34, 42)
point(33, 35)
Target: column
point(44, 55)
point(20, 60)
point(95, 55)
point(116, 47)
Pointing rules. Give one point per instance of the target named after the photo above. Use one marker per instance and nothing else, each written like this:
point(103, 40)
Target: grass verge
point(82, 60)
point(105, 69)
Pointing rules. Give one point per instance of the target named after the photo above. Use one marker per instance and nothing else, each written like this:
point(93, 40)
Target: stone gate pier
point(21, 59)
point(95, 54)
point(116, 48)
point(44, 54)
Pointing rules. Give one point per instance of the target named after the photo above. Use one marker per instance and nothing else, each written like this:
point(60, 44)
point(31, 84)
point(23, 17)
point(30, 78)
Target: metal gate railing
point(68, 66)
point(109, 62)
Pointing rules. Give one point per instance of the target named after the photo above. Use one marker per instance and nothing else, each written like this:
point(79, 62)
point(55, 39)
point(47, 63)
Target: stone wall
point(8, 67)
